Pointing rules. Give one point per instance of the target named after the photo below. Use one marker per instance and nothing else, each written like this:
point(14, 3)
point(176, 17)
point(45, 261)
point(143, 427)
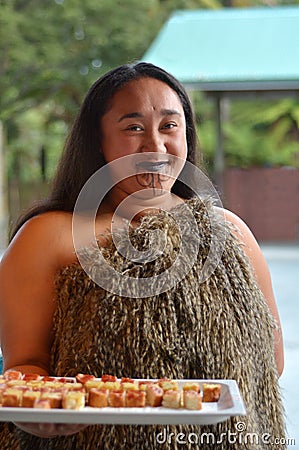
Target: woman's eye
point(134, 128)
point(170, 125)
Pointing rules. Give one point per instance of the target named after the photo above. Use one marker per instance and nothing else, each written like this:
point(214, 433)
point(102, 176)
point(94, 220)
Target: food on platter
point(172, 399)
point(98, 398)
point(135, 398)
point(143, 384)
point(13, 375)
point(126, 386)
point(84, 378)
point(107, 378)
point(94, 384)
point(73, 400)
point(167, 384)
point(192, 399)
point(127, 380)
point(211, 392)
point(85, 390)
point(191, 386)
point(117, 399)
point(31, 377)
point(112, 385)
point(29, 398)
point(11, 397)
point(154, 395)
point(54, 398)
point(41, 404)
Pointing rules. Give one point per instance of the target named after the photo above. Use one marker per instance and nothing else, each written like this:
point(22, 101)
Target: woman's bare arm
point(261, 270)
point(27, 302)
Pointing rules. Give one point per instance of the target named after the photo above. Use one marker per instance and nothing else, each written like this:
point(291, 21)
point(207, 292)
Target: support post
point(219, 162)
point(3, 194)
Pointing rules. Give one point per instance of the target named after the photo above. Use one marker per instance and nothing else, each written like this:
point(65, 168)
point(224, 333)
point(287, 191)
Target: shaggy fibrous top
point(219, 327)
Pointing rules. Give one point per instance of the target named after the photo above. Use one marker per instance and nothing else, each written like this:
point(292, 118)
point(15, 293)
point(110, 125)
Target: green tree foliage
point(255, 133)
point(56, 48)
point(51, 52)
point(268, 133)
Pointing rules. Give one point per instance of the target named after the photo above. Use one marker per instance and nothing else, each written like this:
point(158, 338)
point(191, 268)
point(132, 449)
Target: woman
point(224, 327)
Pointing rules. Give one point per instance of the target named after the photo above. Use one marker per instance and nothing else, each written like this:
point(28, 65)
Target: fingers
point(67, 429)
point(38, 429)
point(49, 430)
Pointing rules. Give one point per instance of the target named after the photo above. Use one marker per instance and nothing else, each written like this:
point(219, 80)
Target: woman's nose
point(152, 142)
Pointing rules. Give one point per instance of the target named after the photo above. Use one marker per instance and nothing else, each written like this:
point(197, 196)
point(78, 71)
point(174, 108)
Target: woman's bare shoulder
point(48, 234)
point(238, 226)
point(247, 240)
point(46, 222)
point(50, 217)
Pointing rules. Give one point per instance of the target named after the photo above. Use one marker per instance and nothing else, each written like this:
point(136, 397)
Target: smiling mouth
point(152, 166)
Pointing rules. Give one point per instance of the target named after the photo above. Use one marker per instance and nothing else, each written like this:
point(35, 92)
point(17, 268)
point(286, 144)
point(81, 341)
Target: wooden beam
point(219, 161)
point(3, 194)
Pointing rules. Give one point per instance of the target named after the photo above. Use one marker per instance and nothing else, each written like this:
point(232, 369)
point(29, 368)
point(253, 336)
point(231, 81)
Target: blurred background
point(52, 51)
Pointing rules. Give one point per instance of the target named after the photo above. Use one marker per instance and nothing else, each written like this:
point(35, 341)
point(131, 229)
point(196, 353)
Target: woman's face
point(146, 115)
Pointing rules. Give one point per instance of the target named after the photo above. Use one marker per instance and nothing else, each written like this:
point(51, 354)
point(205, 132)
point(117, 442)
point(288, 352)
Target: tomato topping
point(83, 378)
point(31, 376)
point(47, 378)
point(12, 375)
point(127, 380)
point(66, 380)
point(108, 378)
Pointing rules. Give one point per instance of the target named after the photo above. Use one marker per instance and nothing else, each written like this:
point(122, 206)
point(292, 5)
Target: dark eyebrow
point(170, 112)
point(164, 112)
point(131, 115)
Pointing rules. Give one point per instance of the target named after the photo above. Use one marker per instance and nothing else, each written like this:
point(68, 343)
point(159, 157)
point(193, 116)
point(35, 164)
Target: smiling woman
point(134, 141)
point(145, 116)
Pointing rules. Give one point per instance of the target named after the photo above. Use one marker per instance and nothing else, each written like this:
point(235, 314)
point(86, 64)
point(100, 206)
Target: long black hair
point(82, 154)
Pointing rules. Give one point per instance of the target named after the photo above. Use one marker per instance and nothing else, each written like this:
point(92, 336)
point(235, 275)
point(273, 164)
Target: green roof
point(231, 48)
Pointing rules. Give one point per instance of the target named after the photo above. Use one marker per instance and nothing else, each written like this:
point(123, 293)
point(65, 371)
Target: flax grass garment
point(220, 328)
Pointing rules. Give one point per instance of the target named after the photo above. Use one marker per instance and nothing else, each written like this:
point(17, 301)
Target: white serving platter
point(229, 404)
